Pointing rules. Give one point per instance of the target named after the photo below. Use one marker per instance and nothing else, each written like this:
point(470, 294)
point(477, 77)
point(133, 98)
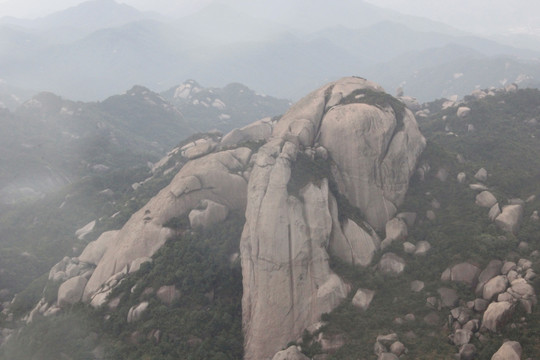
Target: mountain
point(444, 242)
point(235, 42)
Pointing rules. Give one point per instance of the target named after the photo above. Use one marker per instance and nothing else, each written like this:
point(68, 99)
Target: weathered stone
point(496, 315)
point(480, 305)
point(136, 264)
point(494, 212)
point(507, 266)
point(362, 299)
point(168, 294)
point(467, 352)
point(397, 348)
point(432, 319)
point(422, 248)
point(213, 177)
point(461, 177)
point(481, 175)
point(461, 337)
point(510, 350)
point(387, 356)
point(388, 339)
point(94, 251)
point(351, 242)
point(463, 111)
point(510, 218)
point(257, 131)
point(390, 263)
point(207, 213)
point(472, 325)
point(449, 297)
point(430, 214)
point(396, 230)
point(463, 272)
point(71, 291)
point(408, 217)
point(478, 187)
point(417, 286)
point(85, 230)
point(486, 199)
point(409, 248)
point(494, 287)
point(136, 311)
point(524, 264)
point(291, 353)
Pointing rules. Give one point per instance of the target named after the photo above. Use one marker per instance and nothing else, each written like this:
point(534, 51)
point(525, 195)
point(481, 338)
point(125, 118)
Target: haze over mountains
point(100, 48)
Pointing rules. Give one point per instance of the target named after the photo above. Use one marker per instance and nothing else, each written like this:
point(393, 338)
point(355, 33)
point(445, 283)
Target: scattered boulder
point(396, 230)
point(387, 356)
point(417, 286)
point(461, 177)
point(362, 299)
point(449, 297)
point(168, 294)
point(481, 175)
point(496, 315)
point(535, 217)
point(507, 267)
point(510, 218)
point(409, 248)
point(422, 248)
point(430, 214)
point(478, 187)
point(494, 212)
point(291, 353)
point(467, 352)
point(85, 230)
point(463, 272)
point(390, 263)
point(397, 348)
point(461, 337)
point(510, 350)
point(136, 311)
point(94, 251)
point(463, 111)
point(494, 287)
point(257, 131)
point(71, 291)
point(486, 199)
point(408, 217)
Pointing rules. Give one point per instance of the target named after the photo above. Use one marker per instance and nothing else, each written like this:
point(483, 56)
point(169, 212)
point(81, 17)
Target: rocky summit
point(374, 143)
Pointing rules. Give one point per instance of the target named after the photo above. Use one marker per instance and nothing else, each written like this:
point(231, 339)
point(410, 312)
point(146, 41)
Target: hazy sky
point(473, 15)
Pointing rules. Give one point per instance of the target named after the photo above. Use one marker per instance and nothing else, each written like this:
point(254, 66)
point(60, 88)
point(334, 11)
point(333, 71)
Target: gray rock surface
point(486, 199)
point(494, 287)
point(481, 175)
point(207, 213)
point(257, 131)
point(461, 177)
point(494, 211)
point(362, 299)
point(463, 272)
point(510, 350)
point(417, 286)
point(467, 352)
point(94, 251)
point(390, 263)
point(136, 311)
point(287, 281)
point(291, 353)
point(422, 248)
point(449, 297)
point(395, 230)
point(85, 230)
point(510, 218)
point(71, 291)
point(463, 111)
point(168, 294)
point(213, 177)
point(496, 315)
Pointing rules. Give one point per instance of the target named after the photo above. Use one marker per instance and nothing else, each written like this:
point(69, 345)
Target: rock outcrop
point(372, 142)
point(214, 177)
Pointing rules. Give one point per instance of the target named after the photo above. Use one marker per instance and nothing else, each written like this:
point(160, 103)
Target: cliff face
point(373, 143)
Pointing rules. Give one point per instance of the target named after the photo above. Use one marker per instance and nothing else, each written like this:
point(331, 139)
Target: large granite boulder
point(390, 263)
point(510, 218)
point(71, 291)
point(463, 272)
point(291, 353)
point(362, 299)
point(486, 199)
point(257, 131)
point(496, 315)
point(510, 350)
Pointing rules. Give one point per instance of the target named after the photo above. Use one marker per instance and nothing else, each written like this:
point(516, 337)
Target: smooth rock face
point(363, 298)
point(257, 131)
point(286, 277)
point(71, 291)
point(510, 350)
point(136, 311)
point(494, 287)
point(481, 175)
point(213, 177)
point(287, 280)
point(291, 353)
point(375, 157)
point(496, 315)
point(396, 230)
point(463, 272)
point(494, 212)
point(510, 218)
point(463, 111)
point(94, 251)
point(486, 199)
point(422, 248)
point(207, 214)
point(85, 230)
